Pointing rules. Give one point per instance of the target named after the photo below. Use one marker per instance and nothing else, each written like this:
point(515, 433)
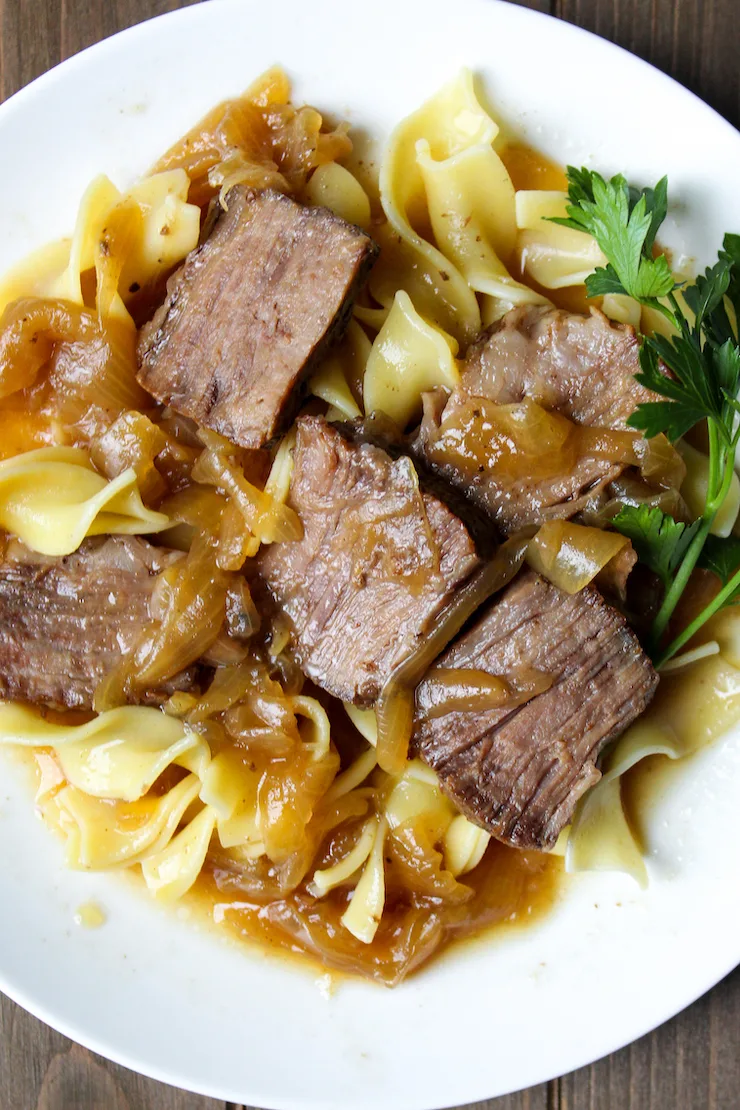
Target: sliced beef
point(519, 771)
point(65, 623)
point(378, 561)
point(251, 311)
point(580, 367)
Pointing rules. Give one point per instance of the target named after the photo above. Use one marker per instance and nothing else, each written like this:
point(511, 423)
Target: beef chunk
point(65, 623)
point(251, 311)
point(519, 772)
point(581, 367)
point(378, 561)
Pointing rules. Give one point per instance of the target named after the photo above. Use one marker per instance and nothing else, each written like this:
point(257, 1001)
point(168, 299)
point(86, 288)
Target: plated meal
point(366, 526)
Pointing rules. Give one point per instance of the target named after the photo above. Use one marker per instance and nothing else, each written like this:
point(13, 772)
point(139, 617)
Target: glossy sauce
point(523, 442)
point(512, 889)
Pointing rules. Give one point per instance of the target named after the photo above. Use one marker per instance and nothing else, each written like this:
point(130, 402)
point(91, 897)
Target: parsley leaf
point(722, 557)
point(705, 299)
point(692, 394)
point(693, 374)
point(624, 221)
point(659, 540)
point(730, 253)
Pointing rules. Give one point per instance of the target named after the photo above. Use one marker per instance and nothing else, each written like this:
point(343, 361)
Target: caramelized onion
point(189, 611)
point(266, 517)
point(132, 440)
point(629, 490)
point(395, 706)
point(258, 139)
point(418, 866)
point(29, 330)
point(571, 555)
point(525, 442)
point(452, 690)
point(194, 612)
point(91, 365)
point(242, 616)
point(288, 796)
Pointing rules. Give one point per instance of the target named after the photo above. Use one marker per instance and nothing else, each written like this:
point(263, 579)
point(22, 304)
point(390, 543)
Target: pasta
point(555, 257)
point(602, 836)
point(130, 239)
point(119, 754)
point(52, 499)
point(409, 357)
point(332, 186)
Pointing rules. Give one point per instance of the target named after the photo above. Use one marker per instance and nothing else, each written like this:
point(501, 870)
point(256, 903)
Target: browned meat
point(251, 311)
point(581, 367)
point(519, 771)
point(64, 623)
point(378, 561)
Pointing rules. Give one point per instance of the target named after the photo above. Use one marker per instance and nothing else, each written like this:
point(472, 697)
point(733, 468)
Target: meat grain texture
point(519, 772)
point(378, 562)
point(66, 622)
point(251, 312)
point(582, 367)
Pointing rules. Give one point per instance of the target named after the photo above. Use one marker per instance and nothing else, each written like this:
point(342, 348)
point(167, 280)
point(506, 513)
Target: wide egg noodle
point(696, 484)
point(230, 790)
point(687, 716)
point(412, 799)
point(333, 186)
point(330, 385)
point(171, 873)
point(156, 226)
point(409, 357)
point(450, 121)
point(339, 379)
point(555, 257)
point(464, 845)
point(329, 877)
point(470, 199)
point(119, 755)
point(362, 916)
point(101, 834)
point(559, 257)
point(52, 498)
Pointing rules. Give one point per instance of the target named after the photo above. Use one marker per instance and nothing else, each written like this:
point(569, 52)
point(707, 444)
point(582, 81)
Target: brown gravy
point(513, 889)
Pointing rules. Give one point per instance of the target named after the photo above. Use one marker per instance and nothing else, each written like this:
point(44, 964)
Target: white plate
point(149, 989)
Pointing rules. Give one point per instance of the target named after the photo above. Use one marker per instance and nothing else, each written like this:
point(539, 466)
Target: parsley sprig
point(702, 358)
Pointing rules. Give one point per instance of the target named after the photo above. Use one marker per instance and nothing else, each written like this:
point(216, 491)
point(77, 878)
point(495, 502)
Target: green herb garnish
point(703, 357)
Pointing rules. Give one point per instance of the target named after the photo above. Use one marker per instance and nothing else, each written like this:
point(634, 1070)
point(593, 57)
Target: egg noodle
point(248, 774)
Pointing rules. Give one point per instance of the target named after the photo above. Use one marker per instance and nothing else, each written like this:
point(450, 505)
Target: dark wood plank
point(690, 1063)
point(42, 1070)
point(696, 41)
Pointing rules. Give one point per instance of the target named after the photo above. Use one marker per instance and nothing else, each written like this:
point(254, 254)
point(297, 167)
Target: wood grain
point(695, 41)
point(692, 1062)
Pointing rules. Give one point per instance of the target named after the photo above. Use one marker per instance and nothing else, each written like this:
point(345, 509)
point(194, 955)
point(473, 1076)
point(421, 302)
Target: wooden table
point(692, 1062)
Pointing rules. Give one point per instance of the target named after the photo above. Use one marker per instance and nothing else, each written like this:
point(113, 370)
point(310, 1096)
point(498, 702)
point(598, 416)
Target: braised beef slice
point(377, 564)
point(65, 623)
point(250, 313)
point(519, 772)
point(580, 366)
